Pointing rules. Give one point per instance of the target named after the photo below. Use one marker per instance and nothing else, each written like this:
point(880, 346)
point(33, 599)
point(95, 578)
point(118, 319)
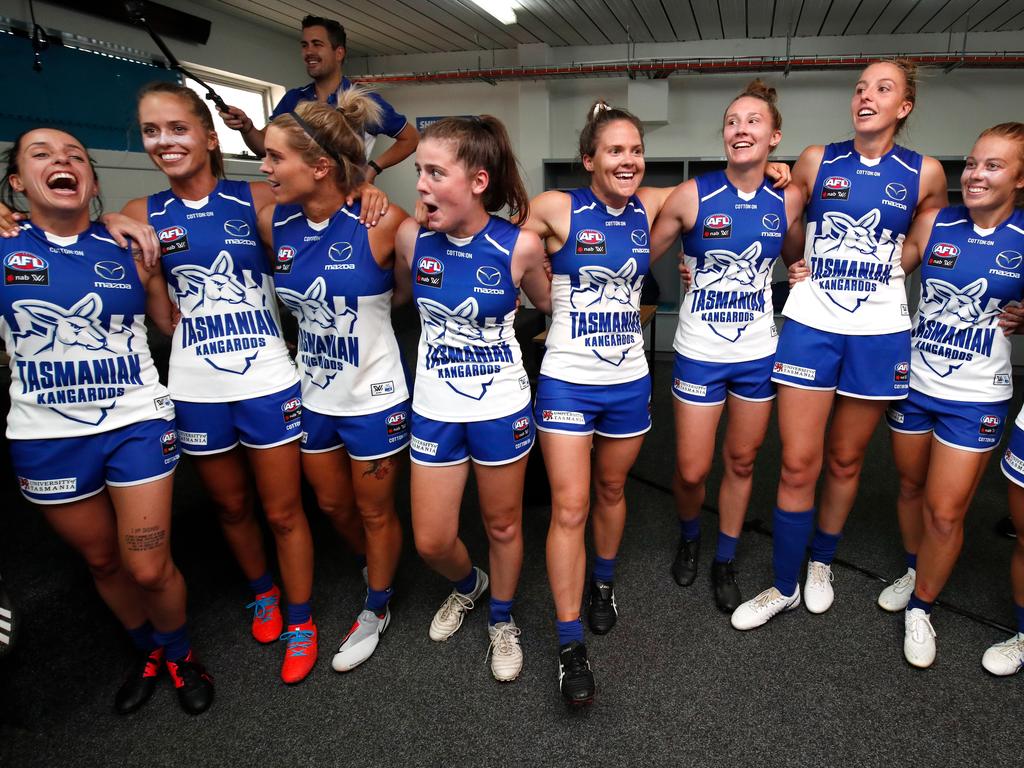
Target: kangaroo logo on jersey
point(80, 385)
point(953, 326)
point(717, 226)
point(943, 256)
point(285, 259)
point(590, 242)
point(848, 261)
point(458, 349)
point(429, 272)
point(209, 286)
point(24, 268)
point(603, 314)
point(326, 340)
point(729, 290)
point(835, 188)
point(173, 239)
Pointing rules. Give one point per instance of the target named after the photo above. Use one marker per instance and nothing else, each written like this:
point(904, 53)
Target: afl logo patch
point(896, 192)
point(24, 268)
point(1009, 260)
point(902, 372)
point(771, 222)
point(520, 428)
point(236, 228)
point(717, 226)
point(109, 270)
point(285, 256)
point(639, 237)
point(943, 255)
point(835, 188)
point(989, 425)
point(429, 272)
point(173, 239)
point(590, 242)
point(169, 442)
point(340, 252)
point(489, 276)
point(397, 422)
point(292, 410)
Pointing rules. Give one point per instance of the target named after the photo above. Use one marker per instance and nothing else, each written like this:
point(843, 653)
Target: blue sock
point(501, 610)
point(823, 546)
point(377, 599)
point(911, 558)
point(264, 583)
point(176, 644)
point(690, 529)
point(1020, 617)
point(726, 548)
point(142, 637)
point(299, 613)
point(466, 584)
point(569, 631)
point(917, 602)
point(604, 569)
point(360, 561)
point(791, 530)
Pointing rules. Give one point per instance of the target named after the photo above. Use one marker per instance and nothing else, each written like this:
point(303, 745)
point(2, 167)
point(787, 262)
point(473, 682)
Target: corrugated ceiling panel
point(630, 19)
point(709, 21)
point(812, 16)
point(683, 21)
point(609, 25)
point(950, 14)
point(997, 17)
point(555, 16)
point(865, 16)
point(920, 15)
point(759, 17)
point(490, 32)
point(891, 16)
point(653, 14)
point(734, 18)
point(786, 12)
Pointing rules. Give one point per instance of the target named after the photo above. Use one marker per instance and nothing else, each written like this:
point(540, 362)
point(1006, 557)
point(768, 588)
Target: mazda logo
point(1009, 259)
point(638, 236)
point(109, 270)
point(896, 191)
point(236, 228)
point(340, 252)
point(771, 221)
point(488, 276)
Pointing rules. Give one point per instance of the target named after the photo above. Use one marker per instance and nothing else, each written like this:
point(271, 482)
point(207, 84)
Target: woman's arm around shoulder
point(383, 238)
point(793, 244)
point(933, 193)
point(528, 266)
point(550, 217)
point(676, 217)
point(917, 240)
point(806, 169)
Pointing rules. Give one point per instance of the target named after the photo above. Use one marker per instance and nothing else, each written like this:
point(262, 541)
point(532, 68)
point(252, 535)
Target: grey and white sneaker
point(818, 592)
point(759, 610)
point(895, 597)
point(1005, 658)
point(361, 640)
point(8, 622)
point(918, 638)
point(449, 616)
point(505, 651)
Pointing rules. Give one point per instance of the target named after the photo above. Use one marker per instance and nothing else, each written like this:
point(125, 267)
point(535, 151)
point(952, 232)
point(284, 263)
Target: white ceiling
point(378, 27)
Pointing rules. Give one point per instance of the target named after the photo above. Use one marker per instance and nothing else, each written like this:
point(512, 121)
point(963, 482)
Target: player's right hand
point(10, 221)
point(235, 119)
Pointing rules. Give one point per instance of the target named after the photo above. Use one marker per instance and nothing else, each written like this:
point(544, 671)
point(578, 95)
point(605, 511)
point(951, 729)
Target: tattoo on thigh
point(142, 539)
point(380, 468)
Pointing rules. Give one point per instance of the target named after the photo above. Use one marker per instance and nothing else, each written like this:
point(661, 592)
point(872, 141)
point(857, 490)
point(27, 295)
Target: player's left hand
point(123, 228)
point(1011, 319)
point(374, 203)
point(781, 173)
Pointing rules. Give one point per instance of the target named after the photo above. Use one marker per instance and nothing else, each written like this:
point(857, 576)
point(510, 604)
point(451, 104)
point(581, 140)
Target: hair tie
point(599, 108)
point(317, 139)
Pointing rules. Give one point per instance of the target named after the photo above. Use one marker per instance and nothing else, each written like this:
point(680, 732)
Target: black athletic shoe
point(194, 684)
point(8, 621)
point(140, 683)
point(723, 583)
point(1006, 528)
point(602, 612)
point(684, 567)
point(575, 680)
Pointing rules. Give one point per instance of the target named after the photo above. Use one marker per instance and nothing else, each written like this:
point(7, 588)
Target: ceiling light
point(502, 10)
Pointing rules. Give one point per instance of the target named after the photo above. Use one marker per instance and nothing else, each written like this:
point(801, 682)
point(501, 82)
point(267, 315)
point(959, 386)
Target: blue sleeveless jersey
point(326, 275)
point(595, 335)
point(72, 314)
point(469, 366)
point(727, 314)
point(857, 219)
point(228, 345)
point(967, 276)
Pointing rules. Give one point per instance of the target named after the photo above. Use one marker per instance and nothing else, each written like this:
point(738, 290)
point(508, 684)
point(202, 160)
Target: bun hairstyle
point(910, 79)
point(198, 108)
point(600, 115)
point(317, 130)
point(759, 89)
point(1012, 132)
point(483, 142)
point(10, 198)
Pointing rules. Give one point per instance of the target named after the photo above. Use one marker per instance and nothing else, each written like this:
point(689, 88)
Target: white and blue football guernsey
point(857, 219)
point(228, 344)
point(469, 366)
point(326, 275)
point(727, 314)
point(595, 335)
point(72, 314)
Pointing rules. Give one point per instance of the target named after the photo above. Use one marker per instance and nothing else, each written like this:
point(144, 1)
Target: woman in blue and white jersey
point(845, 347)
point(338, 279)
point(91, 428)
point(960, 372)
point(234, 385)
point(734, 227)
point(471, 400)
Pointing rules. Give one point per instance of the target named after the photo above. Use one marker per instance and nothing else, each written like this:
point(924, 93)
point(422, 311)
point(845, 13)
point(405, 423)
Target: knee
point(911, 489)
point(505, 530)
point(740, 464)
point(946, 522)
point(153, 573)
point(571, 512)
point(103, 565)
point(377, 516)
point(610, 491)
point(692, 477)
point(845, 466)
point(337, 510)
point(799, 470)
point(235, 508)
point(284, 518)
point(431, 546)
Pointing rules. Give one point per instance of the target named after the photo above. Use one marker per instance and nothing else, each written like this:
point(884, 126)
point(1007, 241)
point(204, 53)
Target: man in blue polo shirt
point(323, 51)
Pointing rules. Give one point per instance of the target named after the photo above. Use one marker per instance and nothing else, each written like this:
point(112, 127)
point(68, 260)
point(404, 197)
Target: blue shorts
point(868, 367)
point(259, 422)
point(494, 441)
point(367, 437)
point(699, 382)
point(1013, 457)
point(611, 410)
point(59, 470)
point(968, 426)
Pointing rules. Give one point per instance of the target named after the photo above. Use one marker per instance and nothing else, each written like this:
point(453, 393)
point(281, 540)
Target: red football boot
point(266, 615)
point(300, 655)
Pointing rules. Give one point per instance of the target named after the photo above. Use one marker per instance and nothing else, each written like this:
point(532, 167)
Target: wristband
point(375, 167)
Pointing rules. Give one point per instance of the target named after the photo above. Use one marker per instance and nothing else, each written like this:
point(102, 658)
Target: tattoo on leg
point(380, 468)
point(143, 539)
